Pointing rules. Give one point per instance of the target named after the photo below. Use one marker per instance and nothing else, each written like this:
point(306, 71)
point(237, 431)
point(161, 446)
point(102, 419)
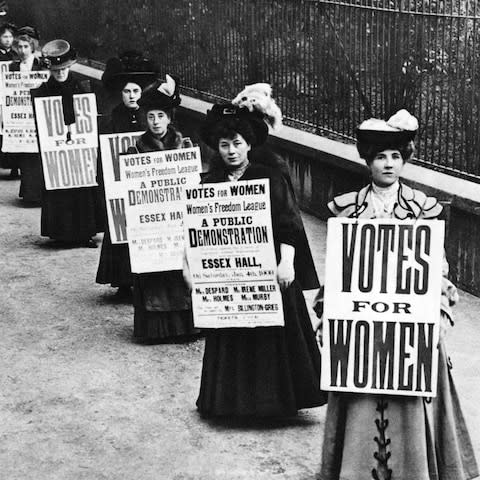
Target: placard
point(19, 130)
point(231, 255)
point(111, 146)
point(382, 306)
point(153, 185)
point(68, 163)
point(4, 67)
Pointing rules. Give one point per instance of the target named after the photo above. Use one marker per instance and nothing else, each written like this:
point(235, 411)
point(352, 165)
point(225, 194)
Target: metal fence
point(331, 63)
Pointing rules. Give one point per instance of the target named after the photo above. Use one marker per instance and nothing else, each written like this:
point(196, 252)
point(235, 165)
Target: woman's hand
point(318, 328)
point(285, 269)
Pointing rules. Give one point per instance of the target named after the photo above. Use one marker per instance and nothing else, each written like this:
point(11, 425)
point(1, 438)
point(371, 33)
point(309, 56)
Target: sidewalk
point(80, 401)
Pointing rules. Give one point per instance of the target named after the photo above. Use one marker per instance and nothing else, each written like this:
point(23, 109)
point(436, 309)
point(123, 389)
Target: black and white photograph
point(240, 239)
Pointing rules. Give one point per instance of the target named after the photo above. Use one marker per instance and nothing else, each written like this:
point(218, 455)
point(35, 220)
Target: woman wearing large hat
point(30, 165)
point(70, 216)
point(127, 76)
point(272, 371)
point(161, 300)
point(386, 436)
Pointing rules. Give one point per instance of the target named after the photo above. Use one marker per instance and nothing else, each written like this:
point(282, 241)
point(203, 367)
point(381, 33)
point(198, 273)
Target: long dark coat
point(69, 215)
point(272, 371)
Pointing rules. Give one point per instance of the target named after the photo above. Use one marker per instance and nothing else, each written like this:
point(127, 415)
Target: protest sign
point(19, 131)
point(68, 162)
point(231, 255)
point(4, 67)
point(382, 306)
point(111, 146)
point(153, 185)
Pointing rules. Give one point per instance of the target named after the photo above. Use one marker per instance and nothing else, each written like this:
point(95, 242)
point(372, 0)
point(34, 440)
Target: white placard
point(382, 306)
point(231, 255)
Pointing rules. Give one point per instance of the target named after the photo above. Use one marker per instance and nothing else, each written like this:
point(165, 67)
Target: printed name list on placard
point(19, 130)
point(68, 163)
point(153, 185)
point(382, 306)
point(111, 146)
point(231, 255)
point(4, 68)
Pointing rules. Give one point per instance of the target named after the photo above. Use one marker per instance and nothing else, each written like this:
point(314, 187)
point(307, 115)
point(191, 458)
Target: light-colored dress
point(387, 437)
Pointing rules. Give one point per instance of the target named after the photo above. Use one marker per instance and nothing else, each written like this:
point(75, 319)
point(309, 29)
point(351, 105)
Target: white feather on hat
point(168, 87)
point(258, 97)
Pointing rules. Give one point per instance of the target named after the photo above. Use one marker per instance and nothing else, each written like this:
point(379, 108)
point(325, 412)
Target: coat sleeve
point(286, 221)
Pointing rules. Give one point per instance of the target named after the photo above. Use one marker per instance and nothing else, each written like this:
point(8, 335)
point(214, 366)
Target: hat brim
point(65, 64)
point(385, 138)
point(118, 80)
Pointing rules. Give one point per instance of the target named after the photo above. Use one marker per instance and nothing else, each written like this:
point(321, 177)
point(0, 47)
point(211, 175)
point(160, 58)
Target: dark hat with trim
point(161, 95)
point(400, 128)
point(32, 32)
point(58, 54)
point(130, 66)
point(226, 112)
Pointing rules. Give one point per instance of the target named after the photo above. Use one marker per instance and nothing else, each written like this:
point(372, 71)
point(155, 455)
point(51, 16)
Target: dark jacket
point(125, 119)
point(37, 65)
point(7, 56)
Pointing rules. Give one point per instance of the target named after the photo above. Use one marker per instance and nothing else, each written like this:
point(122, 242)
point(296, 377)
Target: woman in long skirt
point(127, 75)
point(262, 371)
point(387, 437)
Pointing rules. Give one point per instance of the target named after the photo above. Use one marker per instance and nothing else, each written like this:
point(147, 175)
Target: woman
point(31, 182)
point(161, 300)
point(7, 33)
point(272, 371)
point(69, 216)
point(396, 437)
point(127, 75)
point(8, 54)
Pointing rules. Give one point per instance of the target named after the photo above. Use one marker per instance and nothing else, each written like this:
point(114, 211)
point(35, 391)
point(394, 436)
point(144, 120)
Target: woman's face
point(386, 167)
point(234, 151)
point(131, 93)
point(158, 122)
point(6, 39)
point(61, 74)
point(24, 49)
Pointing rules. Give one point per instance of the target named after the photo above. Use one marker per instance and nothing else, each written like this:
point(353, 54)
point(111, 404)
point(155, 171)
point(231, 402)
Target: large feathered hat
point(399, 129)
point(129, 66)
point(161, 95)
point(258, 97)
point(58, 54)
point(236, 118)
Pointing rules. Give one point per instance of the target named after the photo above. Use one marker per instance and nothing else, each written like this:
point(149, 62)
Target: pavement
point(80, 400)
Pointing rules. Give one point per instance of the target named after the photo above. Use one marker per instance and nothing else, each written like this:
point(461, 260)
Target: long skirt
point(114, 266)
point(263, 371)
point(71, 215)
point(162, 307)
point(31, 182)
point(398, 438)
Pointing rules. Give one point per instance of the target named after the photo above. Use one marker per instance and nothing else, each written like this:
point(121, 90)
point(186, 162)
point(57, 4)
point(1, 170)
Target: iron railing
point(331, 63)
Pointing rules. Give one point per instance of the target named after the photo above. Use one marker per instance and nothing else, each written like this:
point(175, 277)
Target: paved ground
point(79, 400)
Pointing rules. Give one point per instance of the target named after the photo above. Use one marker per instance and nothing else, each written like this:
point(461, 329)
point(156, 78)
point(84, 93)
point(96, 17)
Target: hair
point(27, 38)
point(368, 151)
point(7, 27)
point(229, 128)
point(170, 112)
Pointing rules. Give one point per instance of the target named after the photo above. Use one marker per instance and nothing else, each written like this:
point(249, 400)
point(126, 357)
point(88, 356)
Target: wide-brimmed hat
point(130, 66)
point(399, 129)
point(225, 112)
point(161, 95)
point(32, 32)
point(58, 54)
